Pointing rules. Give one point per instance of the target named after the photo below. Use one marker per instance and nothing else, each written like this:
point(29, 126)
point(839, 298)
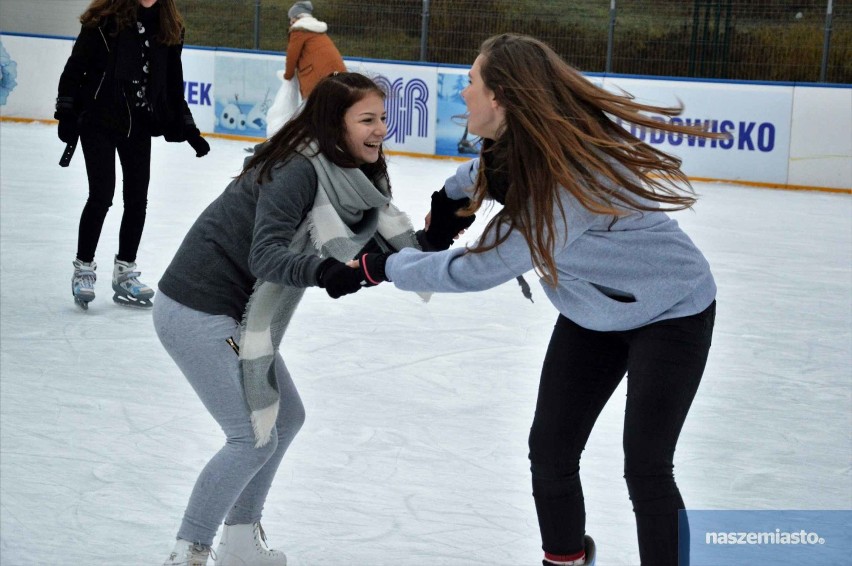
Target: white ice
point(414, 450)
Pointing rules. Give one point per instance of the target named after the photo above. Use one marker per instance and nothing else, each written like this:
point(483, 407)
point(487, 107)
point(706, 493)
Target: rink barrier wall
point(782, 135)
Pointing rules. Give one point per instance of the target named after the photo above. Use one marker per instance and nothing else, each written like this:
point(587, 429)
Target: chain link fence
point(766, 40)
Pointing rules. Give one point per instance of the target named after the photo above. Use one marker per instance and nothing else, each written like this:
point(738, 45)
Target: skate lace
point(261, 539)
point(129, 279)
point(130, 276)
point(198, 555)
point(86, 277)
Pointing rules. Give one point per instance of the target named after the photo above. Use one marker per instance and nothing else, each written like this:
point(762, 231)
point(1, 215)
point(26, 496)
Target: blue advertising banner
point(451, 135)
point(779, 538)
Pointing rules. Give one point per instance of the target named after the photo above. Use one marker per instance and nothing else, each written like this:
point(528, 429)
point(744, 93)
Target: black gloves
point(198, 143)
point(337, 279)
point(372, 268)
point(69, 129)
point(444, 224)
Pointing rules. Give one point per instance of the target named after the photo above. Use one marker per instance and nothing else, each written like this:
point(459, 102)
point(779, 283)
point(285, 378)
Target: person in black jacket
point(122, 84)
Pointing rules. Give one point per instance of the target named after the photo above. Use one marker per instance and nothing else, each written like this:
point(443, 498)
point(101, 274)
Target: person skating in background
point(584, 204)
point(122, 84)
point(311, 54)
point(310, 198)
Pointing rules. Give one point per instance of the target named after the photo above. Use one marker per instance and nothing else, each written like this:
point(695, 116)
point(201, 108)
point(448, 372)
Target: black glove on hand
point(68, 127)
point(198, 143)
point(337, 279)
point(372, 268)
point(445, 225)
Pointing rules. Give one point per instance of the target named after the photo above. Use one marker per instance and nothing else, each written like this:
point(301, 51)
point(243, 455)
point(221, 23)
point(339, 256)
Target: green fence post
point(610, 36)
point(424, 30)
point(823, 70)
point(256, 25)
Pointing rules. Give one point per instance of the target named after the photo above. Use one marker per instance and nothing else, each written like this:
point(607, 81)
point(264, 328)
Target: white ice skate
point(186, 553)
point(128, 290)
point(83, 283)
point(245, 545)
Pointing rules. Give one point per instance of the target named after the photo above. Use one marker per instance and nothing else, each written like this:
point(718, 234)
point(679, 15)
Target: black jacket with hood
point(96, 81)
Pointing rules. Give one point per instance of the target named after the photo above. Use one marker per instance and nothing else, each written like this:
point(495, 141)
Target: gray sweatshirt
point(612, 276)
point(243, 236)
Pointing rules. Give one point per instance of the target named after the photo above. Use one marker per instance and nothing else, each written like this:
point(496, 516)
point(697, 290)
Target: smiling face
point(485, 115)
point(366, 127)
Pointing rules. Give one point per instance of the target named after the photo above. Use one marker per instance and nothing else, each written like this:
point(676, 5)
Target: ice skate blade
point(126, 301)
point(84, 305)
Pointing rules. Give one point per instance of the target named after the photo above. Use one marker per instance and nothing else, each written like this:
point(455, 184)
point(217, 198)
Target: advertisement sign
point(756, 117)
point(198, 86)
point(451, 135)
point(410, 103)
point(245, 86)
point(30, 69)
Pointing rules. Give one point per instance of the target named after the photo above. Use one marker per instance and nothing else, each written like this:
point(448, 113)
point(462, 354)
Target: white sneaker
point(245, 545)
point(186, 553)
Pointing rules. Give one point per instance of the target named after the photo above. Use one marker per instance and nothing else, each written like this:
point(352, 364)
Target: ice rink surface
point(414, 450)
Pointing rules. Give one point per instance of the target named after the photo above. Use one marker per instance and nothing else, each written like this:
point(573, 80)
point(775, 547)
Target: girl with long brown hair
point(122, 84)
point(584, 204)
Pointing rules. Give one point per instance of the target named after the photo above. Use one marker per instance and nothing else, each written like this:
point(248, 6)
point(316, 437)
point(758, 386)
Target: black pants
point(134, 152)
point(664, 362)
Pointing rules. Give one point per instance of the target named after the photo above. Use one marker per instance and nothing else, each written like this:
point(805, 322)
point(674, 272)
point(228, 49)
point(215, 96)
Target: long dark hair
point(559, 134)
point(321, 120)
point(124, 12)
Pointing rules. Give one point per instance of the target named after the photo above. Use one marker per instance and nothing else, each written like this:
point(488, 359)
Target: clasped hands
point(443, 225)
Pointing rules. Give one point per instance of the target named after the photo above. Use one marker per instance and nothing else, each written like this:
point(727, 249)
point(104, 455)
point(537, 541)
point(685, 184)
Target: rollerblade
point(83, 283)
point(129, 291)
point(186, 553)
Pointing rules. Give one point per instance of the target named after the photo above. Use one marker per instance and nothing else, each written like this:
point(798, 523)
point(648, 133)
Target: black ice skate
point(129, 292)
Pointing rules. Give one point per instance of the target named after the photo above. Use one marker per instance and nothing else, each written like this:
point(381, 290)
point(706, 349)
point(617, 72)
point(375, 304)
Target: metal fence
point(767, 40)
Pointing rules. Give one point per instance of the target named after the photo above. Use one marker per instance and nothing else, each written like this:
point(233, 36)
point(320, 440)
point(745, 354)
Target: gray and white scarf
point(347, 211)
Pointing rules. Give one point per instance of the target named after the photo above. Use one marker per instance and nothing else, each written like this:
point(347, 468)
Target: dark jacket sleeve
point(79, 66)
point(182, 124)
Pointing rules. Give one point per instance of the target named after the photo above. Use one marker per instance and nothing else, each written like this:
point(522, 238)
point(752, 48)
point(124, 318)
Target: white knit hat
point(300, 9)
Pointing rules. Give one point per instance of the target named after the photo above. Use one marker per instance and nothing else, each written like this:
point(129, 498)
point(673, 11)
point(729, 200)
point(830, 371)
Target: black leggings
point(664, 362)
point(134, 152)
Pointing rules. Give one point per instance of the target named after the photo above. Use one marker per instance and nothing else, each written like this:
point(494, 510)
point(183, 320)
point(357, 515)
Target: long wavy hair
point(560, 134)
point(322, 120)
point(124, 13)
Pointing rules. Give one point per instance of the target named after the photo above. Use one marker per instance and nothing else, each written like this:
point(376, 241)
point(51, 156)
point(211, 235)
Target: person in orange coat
point(310, 52)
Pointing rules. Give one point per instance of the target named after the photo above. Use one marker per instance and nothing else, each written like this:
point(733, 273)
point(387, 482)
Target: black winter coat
point(97, 76)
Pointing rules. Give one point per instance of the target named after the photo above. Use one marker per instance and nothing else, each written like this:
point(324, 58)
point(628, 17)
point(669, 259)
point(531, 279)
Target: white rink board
point(821, 140)
point(783, 135)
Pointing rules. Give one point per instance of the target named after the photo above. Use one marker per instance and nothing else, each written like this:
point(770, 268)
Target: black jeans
point(664, 362)
point(134, 153)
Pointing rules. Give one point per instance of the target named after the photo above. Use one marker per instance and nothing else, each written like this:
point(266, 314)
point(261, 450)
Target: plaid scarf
point(347, 211)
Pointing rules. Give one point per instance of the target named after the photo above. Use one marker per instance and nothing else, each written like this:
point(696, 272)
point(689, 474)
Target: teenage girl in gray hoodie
point(583, 204)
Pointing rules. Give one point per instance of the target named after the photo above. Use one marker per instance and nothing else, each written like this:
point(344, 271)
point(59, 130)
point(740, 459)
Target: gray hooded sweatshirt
point(619, 275)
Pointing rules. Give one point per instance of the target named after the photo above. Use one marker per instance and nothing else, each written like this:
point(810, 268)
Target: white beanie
point(300, 9)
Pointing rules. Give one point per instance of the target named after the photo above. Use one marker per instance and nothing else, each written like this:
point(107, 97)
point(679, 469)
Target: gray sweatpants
point(234, 484)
